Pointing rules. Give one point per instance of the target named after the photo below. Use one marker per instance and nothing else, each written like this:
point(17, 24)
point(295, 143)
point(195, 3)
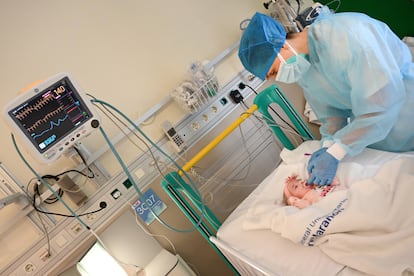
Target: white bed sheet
point(270, 249)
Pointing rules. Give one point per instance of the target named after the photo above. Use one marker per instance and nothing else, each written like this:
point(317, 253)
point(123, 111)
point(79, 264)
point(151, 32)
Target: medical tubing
point(289, 131)
point(47, 184)
point(49, 251)
point(202, 179)
point(103, 108)
point(124, 167)
point(141, 195)
point(148, 139)
point(272, 122)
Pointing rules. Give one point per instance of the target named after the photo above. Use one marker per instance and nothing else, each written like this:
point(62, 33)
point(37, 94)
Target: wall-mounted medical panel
point(69, 234)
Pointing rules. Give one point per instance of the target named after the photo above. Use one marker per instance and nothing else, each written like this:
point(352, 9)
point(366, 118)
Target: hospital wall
point(130, 53)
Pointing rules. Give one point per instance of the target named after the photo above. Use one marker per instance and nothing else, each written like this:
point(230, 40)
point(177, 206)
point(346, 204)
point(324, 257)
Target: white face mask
point(293, 69)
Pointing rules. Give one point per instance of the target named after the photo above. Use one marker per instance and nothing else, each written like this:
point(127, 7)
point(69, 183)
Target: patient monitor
point(51, 117)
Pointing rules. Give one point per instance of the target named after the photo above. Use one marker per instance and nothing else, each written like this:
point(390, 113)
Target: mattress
point(276, 253)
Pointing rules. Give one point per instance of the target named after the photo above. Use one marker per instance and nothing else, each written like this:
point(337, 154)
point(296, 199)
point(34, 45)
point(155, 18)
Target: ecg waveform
point(45, 119)
point(35, 107)
point(51, 126)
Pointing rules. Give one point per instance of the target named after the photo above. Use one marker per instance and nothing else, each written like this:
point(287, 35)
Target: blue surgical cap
point(260, 44)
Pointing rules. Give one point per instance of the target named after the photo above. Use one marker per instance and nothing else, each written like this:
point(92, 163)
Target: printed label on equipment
point(147, 205)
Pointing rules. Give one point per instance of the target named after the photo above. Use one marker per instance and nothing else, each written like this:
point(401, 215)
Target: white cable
point(125, 266)
point(148, 233)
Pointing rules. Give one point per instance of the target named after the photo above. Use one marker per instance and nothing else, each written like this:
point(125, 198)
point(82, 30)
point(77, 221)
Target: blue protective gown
point(360, 84)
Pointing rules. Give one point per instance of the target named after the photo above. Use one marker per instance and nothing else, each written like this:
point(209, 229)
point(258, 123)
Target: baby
point(298, 193)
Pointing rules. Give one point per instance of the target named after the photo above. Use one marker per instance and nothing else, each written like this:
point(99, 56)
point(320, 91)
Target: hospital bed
point(342, 235)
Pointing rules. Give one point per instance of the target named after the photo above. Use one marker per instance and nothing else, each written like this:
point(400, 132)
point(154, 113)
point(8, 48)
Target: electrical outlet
point(73, 232)
point(91, 217)
point(159, 162)
point(29, 268)
point(155, 159)
point(44, 254)
point(75, 228)
point(98, 208)
point(251, 77)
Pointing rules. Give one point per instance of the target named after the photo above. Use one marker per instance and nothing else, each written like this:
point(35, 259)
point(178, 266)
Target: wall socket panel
point(65, 238)
point(194, 127)
point(69, 233)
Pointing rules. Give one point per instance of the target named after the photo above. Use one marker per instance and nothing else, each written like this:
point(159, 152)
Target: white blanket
point(369, 226)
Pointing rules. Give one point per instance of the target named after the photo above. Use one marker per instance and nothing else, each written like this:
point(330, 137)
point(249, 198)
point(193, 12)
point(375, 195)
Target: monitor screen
point(52, 116)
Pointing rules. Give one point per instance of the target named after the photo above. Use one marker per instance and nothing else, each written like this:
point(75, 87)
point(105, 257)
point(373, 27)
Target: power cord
point(102, 205)
point(50, 200)
point(53, 199)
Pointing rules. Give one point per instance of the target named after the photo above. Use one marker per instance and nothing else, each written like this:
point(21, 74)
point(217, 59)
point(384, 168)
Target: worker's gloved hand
point(314, 156)
point(322, 167)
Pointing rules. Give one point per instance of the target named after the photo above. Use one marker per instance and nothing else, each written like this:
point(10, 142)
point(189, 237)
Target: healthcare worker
point(356, 74)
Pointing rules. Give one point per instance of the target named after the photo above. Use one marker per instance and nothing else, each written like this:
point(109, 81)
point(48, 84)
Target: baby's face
point(297, 187)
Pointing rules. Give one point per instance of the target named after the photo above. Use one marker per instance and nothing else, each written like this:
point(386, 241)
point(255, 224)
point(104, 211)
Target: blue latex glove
point(322, 168)
point(314, 155)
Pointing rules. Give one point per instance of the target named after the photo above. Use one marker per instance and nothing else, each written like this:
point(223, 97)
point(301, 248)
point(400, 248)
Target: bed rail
point(190, 202)
point(273, 95)
point(243, 264)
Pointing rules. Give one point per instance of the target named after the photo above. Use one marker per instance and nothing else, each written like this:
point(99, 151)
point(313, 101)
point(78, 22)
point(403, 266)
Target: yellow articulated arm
point(203, 152)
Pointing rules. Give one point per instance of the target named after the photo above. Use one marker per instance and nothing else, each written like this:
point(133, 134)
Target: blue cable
point(125, 169)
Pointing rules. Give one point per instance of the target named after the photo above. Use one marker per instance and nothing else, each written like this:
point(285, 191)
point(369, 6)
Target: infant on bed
point(300, 194)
